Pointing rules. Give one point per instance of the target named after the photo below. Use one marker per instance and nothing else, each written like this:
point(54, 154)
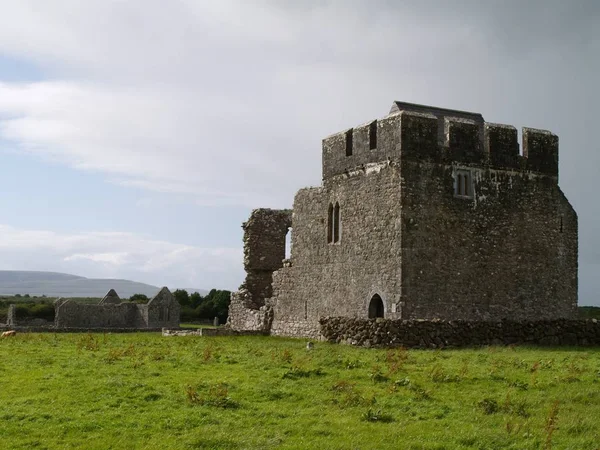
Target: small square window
point(463, 184)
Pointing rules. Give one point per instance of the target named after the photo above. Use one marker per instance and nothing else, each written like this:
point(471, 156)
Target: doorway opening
point(376, 307)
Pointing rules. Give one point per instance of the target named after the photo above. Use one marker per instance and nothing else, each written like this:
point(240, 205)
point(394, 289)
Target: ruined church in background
point(427, 213)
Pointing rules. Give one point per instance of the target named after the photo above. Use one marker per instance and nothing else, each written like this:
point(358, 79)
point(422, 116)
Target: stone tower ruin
point(426, 213)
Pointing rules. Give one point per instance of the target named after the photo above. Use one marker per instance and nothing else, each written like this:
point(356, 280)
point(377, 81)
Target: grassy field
point(127, 391)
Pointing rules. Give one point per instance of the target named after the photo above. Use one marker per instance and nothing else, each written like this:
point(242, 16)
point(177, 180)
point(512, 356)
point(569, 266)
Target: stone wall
point(507, 251)
point(72, 314)
point(11, 316)
point(325, 279)
point(245, 315)
point(438, 334)
point(264, 251)
point(503, 246)
point(161, 311)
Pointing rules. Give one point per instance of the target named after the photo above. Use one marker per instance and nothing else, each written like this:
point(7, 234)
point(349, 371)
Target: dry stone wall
point(459, 333)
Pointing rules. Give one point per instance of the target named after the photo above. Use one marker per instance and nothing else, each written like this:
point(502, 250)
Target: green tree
point(195, 299)
point(215, 304)
point(182, 297)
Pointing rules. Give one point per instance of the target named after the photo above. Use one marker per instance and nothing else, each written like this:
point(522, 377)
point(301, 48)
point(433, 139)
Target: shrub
point(139, 298)
point(188, 314)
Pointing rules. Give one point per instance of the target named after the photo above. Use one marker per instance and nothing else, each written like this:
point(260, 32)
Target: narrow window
point(336, 223)
point(561, 224)
point(330, 224)
point(463, 185)
point(373, 135)
point(305, 310)
point(288, 244)
point(349, 142)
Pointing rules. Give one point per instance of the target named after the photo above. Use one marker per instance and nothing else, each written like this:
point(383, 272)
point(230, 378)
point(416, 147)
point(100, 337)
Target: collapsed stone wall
point(161, 311)
point(264, 252)
point(459, 333)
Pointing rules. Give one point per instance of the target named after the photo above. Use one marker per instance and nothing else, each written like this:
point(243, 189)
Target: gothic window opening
point(373, 135)
point(349, 143)
point(336, 223)
point(376, 307)
point(330, 224)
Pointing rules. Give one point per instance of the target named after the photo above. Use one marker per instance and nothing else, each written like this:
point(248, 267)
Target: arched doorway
point(375, 307)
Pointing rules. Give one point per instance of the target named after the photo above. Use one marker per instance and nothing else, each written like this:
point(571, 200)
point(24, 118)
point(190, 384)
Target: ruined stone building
point(426, 213)
point(161, 311)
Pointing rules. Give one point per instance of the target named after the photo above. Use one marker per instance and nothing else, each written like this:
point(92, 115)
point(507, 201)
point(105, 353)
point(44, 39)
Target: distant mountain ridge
point(56, 284)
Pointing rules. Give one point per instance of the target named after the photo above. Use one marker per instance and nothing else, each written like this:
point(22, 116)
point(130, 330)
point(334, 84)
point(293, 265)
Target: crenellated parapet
point(418, 132)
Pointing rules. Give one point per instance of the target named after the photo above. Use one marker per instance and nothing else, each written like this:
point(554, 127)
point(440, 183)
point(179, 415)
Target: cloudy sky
point(136, 135)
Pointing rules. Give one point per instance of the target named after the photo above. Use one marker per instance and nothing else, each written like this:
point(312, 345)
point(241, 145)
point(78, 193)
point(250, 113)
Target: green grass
point(127, 391)
point(196, 325)
point(589, 312)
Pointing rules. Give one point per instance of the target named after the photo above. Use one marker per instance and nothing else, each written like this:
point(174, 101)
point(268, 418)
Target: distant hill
point(54, 284)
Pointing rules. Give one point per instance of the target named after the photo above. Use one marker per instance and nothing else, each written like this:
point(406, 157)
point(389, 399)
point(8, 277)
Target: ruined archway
point(376, 307)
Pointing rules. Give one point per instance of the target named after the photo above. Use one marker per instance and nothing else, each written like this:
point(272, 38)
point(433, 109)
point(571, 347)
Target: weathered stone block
point(502, 146)
point(540, 147)
point(418, 136)
point(462, 140)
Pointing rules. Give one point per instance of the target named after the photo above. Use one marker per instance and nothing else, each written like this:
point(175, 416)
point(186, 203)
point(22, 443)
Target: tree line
point(197, 307)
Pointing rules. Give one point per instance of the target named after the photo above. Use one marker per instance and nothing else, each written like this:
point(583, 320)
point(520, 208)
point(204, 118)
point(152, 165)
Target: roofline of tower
point(397, 106)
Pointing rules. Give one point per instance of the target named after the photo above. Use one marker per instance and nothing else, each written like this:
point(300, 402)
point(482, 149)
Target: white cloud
point(226, 101)
point(114, 259)
point(123, 255)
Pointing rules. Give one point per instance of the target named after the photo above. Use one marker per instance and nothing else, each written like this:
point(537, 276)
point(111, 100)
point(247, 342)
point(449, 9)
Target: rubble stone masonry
point(427, 213)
